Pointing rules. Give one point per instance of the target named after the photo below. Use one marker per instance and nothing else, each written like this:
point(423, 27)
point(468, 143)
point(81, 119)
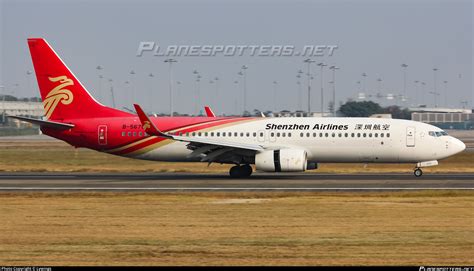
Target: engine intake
point(284, 160)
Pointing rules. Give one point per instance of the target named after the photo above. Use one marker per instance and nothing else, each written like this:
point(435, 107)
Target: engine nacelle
point(284, 160)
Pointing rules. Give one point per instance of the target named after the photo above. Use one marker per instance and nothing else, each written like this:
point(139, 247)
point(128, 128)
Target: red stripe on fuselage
point(205, 125)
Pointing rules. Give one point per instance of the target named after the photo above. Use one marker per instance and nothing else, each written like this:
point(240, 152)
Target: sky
point(373, 37)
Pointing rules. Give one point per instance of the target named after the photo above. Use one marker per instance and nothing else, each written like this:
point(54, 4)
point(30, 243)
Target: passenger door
point(102, 134)
point(411, 136)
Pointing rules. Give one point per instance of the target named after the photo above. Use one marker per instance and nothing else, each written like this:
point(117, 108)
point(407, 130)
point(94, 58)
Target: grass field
point(57, 156)
point(412, 228)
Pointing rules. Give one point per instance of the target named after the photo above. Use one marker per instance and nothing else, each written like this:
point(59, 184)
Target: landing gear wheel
point(246, 170)
point(240, 171)
point(235, 172)
point(418, 172)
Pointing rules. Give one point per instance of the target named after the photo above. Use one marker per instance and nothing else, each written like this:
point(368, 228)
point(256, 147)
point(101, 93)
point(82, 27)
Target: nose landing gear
point(240, 171)
point(418, 172)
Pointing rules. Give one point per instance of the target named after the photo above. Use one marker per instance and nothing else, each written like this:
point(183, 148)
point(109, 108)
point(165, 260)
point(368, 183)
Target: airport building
point(445, 118)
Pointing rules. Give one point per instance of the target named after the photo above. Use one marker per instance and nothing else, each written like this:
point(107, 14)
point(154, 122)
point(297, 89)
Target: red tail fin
point(64, 97)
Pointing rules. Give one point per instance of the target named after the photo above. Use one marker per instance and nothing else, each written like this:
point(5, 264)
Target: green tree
point(360, 109)
point(397, 112)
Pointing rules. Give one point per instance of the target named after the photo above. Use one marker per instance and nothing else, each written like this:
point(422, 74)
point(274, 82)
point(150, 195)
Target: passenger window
point(376, 135)
point(333, 135)
point(388, 134)
point(254, 134)
point(134, 133)
point(248, 134)
point(194, 133)
point(187, 134)
point(346, 135)
point(326, 135)
point(199, 133)
point(307, 134)
point(241, 134)
point(370, 134)
point(272, 134)
point(278, 134)
point(381, 135)
point(129, 133)
point(235, 134)
point(364, 135)
point(340, 135)
point(124, 133)
point(358, 134)
point(289, 134)
point(139, 133)
point(261, 134)
point(314, 134)
point(320, 134)
point(218, 134)
point(352, 134)
point(301, 134)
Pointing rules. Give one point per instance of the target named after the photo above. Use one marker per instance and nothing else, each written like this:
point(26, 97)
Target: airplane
point(271, 144)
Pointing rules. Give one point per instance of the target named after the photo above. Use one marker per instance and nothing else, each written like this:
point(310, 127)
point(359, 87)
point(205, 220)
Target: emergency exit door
point(411, 136)
point(102, 134)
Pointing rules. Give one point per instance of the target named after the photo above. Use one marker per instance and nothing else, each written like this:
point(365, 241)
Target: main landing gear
point(418, 172)
point(240, 171)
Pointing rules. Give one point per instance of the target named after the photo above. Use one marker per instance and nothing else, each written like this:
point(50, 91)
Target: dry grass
point(56, 156)
point(413, 228)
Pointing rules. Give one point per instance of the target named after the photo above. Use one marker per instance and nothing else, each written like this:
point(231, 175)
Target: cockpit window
point(437, 133)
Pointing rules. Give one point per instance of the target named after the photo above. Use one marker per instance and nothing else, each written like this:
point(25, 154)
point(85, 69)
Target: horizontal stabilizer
point(45, 123)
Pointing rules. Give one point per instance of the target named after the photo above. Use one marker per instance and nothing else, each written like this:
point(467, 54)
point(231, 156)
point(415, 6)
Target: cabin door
point(411, 136)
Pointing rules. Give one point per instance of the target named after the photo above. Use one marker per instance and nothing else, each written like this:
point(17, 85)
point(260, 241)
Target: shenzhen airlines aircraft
point(272, 144)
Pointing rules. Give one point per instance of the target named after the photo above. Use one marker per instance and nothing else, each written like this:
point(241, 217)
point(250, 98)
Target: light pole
point(244, 74)
point(196, 88)
point(404, 67)
point(334, 68)
point(275, 83)
point(150, 99)
point(132, 73)
point(423, 84)
point(309, 61)
point(364, 76)
point(99, 68)
point(178, 92)
point(445, 93)
point(112, 92)
point(322, 65)
point(28, 74)
point(216, 97)
point(379, 88)
point(171, 61)
point(435, 94)
point(416, 92)
point(236, 99)
point(298, 75)
point(434, 82)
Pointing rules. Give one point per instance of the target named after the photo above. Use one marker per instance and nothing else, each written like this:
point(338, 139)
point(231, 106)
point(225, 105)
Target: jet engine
point(284, 160)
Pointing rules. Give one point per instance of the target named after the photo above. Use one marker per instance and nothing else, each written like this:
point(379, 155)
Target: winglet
point(209, 112)
point(147, 124)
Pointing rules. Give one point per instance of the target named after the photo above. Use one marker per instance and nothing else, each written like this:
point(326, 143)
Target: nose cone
point(457, 145)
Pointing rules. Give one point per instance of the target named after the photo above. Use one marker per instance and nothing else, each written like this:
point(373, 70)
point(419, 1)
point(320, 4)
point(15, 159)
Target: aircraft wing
point(45, 123)
point(151, 129)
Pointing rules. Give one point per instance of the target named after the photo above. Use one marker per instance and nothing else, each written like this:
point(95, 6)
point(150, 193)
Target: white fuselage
point(330, 139)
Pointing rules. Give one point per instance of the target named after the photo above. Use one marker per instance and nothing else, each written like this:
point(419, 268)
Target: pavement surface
point(217, 182)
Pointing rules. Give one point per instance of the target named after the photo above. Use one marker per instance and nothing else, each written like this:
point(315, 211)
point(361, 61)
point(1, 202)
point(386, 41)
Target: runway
point(174, 182)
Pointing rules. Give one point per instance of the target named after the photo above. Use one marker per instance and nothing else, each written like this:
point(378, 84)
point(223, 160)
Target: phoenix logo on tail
point(58, 94)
